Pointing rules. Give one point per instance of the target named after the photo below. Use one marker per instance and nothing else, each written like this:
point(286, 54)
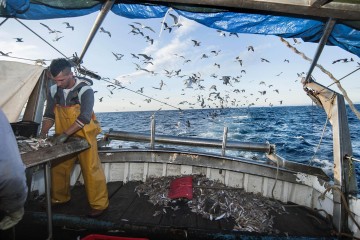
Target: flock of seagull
point(216, 98)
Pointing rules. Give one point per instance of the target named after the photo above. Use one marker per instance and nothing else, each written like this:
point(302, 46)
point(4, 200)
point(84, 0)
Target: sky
point(178, 74)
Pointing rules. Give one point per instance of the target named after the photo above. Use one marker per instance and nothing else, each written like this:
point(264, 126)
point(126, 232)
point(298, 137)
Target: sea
point(299, 133)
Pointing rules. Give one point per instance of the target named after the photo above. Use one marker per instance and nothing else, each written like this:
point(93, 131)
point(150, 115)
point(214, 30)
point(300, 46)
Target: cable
point(4, 21)
point(344, 77)
point(122, 87)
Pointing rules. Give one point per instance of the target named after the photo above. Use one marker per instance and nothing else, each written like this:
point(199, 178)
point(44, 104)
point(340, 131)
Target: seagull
point(264, 60)
point(148, 58)
point(68, 25)
point(40, 62)
point(50, 30)
point(118, 56)
point(166, 27)
point(143, 26)
point(19, 40)
point(5, 54)
point(250, 48)
point(104, 31)
point(176, 21)
point(235, 34)
point(196, 43)
point(57, 38)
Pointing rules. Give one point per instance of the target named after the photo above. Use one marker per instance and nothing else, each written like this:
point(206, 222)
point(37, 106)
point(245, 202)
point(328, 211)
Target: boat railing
point(223, 144)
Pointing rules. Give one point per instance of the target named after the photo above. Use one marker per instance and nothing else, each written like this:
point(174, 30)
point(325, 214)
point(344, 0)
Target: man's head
point(58, 65)
point(60, 70)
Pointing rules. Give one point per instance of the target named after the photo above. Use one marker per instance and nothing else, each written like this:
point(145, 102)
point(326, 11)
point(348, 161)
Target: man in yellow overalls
point(70, 106)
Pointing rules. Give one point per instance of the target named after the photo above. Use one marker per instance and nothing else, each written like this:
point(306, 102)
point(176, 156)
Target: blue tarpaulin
point(307, 29)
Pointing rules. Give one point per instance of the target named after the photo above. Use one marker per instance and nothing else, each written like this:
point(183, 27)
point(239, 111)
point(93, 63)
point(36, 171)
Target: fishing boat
point(299, 201)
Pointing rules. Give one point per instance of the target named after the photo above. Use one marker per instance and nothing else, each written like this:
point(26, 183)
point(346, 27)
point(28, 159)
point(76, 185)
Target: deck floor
point(133, 216)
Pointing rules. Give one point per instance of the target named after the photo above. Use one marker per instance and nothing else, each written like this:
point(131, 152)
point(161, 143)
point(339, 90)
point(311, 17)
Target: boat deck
point(133, 216)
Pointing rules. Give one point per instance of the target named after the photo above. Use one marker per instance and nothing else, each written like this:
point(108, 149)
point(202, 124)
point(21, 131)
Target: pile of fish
point(213, 200)
point(31, 144)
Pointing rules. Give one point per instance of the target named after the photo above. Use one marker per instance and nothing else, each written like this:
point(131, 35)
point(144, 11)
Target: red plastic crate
point(104, 237)
point(181, 188)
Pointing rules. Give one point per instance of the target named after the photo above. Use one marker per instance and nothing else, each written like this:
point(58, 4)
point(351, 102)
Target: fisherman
point(70, 106)
point(13, 188)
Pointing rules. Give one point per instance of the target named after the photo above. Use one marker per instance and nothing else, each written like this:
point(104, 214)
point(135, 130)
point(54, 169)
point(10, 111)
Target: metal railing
point(223, 144)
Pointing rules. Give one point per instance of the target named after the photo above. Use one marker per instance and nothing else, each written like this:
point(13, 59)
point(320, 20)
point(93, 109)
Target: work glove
point(11, 219)
point(60, 139)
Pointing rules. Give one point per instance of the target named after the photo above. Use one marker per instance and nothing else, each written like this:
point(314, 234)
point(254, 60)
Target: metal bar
point(197, 142)
point(48, 199)
point(107, 6)
point(152, 132)
point(328, 28)
point(223, 147)
point(338, 10)
point(344, 176)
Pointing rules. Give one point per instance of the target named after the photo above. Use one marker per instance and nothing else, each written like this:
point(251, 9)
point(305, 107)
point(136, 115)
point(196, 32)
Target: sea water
point(299, 133)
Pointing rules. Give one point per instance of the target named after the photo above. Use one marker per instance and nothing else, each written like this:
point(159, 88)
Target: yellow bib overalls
point(92, 171)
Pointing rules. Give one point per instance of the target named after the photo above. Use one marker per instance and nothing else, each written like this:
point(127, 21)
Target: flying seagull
point(68, 25)
point(19, 40)
point(104, 31)
point(50, 30)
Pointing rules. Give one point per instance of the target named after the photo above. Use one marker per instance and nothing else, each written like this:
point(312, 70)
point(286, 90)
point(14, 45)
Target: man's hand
point(11, 219)
point(42, 135)
point(60, 139)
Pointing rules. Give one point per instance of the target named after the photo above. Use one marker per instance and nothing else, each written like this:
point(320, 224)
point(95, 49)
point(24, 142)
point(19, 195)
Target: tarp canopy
point(17, 81)
point(345, 34)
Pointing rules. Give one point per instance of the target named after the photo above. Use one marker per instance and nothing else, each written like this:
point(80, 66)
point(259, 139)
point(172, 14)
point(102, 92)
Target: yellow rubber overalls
point(92, 171)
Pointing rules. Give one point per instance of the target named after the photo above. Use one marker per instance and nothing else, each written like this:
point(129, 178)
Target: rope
point(162, 22)
point(322, 197)
point(276, 178)
point(40, 37)
point(318, 146)
point(352, 107)
point(323, 132)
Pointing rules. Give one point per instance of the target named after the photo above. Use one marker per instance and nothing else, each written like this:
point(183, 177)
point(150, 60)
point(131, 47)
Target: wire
point(344, 77)
point(4, 21)
point(122, 87)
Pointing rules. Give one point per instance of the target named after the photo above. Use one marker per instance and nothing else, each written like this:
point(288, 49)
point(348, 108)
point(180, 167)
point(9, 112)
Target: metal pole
point(223, 147)
point(107, 6)
point(152, 132)
point(48, 199)
point(185, 141)
point(327, 31)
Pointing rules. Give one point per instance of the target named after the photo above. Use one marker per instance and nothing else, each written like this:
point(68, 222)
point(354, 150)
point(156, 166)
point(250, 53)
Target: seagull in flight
point(196, 43)
point(176, 20)
point(68, 25)
point(143, 26)
point(4, 54)
point(19, 40)
point(50, 30)
point(118, 56)
point(104, 31)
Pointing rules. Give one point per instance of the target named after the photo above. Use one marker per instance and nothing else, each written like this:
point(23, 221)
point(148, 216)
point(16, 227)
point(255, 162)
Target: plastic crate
point(25, 128)
point(104, 237)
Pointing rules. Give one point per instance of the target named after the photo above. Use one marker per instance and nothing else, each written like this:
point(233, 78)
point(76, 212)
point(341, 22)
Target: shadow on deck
point(133, 216)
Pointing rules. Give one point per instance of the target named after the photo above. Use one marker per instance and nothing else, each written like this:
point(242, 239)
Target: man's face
point(64, 79)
